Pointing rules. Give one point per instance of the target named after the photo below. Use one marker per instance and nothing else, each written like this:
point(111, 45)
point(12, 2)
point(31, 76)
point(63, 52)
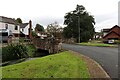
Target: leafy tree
point(79, 18)
point(19, 20)
point(34, 34)
point(39, 28)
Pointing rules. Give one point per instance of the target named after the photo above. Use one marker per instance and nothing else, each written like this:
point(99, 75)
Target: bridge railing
point(50, 44)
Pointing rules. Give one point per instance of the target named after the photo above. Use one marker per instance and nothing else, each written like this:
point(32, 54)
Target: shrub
point(21, 40)
point(12, 52)
point(31, 50)
point(117, 41)
point(34, 34)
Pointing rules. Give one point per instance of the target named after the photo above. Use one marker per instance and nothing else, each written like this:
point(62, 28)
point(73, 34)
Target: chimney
point(30, 29)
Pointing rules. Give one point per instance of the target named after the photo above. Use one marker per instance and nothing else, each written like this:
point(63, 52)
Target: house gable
point(115, 29)
point(23, 25)
point(114, 33)
point(24, 28)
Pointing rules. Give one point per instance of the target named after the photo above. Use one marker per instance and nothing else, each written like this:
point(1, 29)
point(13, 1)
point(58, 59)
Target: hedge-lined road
point(107, 57)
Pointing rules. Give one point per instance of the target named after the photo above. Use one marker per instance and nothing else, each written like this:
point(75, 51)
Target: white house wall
point(2, 25)
point(10, 27)
point(25, 30)
point(105, 33)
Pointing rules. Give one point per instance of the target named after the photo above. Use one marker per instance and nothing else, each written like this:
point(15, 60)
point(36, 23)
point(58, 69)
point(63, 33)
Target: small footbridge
point(52, 45)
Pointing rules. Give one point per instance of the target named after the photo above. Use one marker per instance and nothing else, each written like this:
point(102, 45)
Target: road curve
point(105, 56)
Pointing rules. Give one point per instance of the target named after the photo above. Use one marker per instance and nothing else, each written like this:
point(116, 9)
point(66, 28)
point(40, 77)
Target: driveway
point(105, 56)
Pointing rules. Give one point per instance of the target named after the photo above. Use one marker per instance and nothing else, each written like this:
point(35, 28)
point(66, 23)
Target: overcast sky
point(45, 12)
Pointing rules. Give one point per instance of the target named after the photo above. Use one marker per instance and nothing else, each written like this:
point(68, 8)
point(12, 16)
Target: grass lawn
point(62, 65)
point(97, 44)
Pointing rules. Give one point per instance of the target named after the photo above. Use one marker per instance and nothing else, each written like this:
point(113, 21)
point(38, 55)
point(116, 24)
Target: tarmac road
point(107, 57)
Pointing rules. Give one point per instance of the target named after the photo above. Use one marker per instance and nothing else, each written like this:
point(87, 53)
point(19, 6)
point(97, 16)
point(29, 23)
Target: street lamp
point(77, 13)
point(78, 29)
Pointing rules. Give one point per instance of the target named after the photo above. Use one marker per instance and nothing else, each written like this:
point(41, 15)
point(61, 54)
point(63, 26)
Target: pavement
point(3, 45)
point(107, 57)
point(15, 61)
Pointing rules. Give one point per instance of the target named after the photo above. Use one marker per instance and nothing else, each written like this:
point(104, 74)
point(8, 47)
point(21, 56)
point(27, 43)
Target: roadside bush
point(12, 52)
point(21, 40)
point(105, 41)
point(34, 34)
point(117, 41)
point(31, 50)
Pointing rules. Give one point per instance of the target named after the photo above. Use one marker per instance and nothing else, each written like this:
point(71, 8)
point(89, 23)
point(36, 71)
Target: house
point(112, 34)
point(97, 35)
point(42, 35)
point(25, 29)
point(10, 27)
point(10, 24)
point(105, 31)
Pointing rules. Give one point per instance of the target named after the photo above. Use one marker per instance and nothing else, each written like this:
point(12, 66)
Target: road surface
point(105, 56)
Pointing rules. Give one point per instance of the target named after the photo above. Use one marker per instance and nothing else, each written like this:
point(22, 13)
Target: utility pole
point(78, 29)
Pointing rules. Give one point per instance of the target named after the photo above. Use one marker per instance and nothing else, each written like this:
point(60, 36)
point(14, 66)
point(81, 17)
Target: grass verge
point(62, 65)
point(97, 44)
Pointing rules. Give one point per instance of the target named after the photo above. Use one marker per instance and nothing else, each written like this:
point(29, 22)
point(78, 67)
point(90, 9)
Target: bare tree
point(55, 29)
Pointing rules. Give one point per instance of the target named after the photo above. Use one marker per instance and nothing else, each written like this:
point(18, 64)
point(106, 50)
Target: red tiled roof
point(110, 33)
point(117, 32)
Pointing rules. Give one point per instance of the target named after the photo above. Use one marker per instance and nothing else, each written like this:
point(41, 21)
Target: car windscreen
point(4, 34)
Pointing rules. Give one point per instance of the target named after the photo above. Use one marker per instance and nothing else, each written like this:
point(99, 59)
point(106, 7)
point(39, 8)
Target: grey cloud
point(105, 17)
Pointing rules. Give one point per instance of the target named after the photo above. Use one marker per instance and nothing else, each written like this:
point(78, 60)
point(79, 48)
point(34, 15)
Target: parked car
point(111, 41)
point(4, 35)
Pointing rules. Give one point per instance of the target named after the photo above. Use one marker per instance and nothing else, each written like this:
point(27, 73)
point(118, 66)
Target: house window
point(6, 26)
point(16, 27)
